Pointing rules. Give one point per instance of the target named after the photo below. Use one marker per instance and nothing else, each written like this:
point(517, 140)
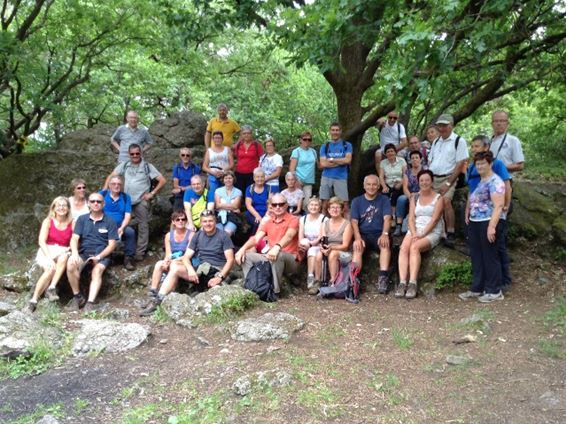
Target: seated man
point(195, 201)
point(281, 229)
point(118, 206)
point(371, 220)
point(93, 240)
point(215, 254)
point(415, 144)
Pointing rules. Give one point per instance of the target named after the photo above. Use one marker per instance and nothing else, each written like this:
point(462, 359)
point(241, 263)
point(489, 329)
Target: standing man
point(335, 160)
point(504, 146)
point(129, 134)
point(182, 174)
point(93, 240)
point(138, 175)
point(391, 131)
point(228, 126)
point(447, 160)
point(118, 206)
point(281, 229)
point(371, 221)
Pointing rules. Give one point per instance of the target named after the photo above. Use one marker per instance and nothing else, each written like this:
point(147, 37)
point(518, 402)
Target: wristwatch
point(448, 183)
point(385, 233)
point(219, 275)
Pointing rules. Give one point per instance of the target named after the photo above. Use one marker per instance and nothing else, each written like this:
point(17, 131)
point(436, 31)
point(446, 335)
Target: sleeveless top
point(311, 228)
point(259, 200)
point(178, 246)
point(423, 215)
point(59, 237)
point(219, 160)
point(75, 213)
point(336, 237)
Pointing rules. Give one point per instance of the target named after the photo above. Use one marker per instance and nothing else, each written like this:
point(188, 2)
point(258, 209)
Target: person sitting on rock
point(182, 174)
point(54, 239)
point(212, 249)
point(281, 230)
point(371, 221)
point(195, 201)
point(425, 230)
point(94, 239)
point(118, 206)
point(176, 242)
point(310, 234)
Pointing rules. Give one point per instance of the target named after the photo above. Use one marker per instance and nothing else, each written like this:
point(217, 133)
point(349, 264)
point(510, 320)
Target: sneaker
point(129, 263)
point(30, 307)
point(397, 231)
point(469, 295)
point(150, 308)
point(401, 288)
point(411, 291)
point(450, 240)
point(310, 281)
point(314, 289)
point(382, 284)
point(490, 297)
point(51, 294)
point(76, 303)
point(89, 307)
point(152, 293)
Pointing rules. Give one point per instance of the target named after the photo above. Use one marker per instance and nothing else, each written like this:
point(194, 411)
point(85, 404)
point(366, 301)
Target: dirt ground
point(382, 361)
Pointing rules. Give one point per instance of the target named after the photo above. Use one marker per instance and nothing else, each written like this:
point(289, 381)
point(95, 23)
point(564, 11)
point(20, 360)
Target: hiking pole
point(324, 277)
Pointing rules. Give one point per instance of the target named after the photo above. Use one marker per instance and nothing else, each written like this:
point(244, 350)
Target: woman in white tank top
point(310, 227)
point(217, 159)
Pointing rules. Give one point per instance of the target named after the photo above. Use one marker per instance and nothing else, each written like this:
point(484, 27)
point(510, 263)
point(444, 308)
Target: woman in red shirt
point(246, 153)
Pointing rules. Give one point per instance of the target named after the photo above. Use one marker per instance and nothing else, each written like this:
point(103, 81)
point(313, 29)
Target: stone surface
point(269, 326)
point(108, 336)
point(552, 400)
point(559, 229)
point(259, 380)
point(15, 281)
point(242, 386)
point(48, 419)
point(180, 129)
point(458, 359)
point(477, 321)
point(19, 331)
point(6, 308)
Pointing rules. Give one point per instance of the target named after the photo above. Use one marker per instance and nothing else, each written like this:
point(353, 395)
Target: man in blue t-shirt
point(371, 220)
point(481, 143)
point(118, 206)
point(335, 160)
point(182, 174)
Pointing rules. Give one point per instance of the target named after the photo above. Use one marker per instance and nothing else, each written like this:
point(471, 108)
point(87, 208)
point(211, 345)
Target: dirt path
point(382, 361)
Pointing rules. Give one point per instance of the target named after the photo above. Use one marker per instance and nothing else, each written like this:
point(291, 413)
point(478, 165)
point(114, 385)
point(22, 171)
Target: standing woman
point(54, 240)
point(257, 195)
point(303, 163)
point(391, 171)
point(483, 211)
point(79, 204)
point(247, 152)
point(271, 163)
point(227, 202)
point(431, 135)
point(410, 186)
point(425, 229)
point(217, 160)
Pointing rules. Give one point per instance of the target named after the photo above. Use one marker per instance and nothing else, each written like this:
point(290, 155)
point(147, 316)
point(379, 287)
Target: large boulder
point(182, 129)
point(108, 336)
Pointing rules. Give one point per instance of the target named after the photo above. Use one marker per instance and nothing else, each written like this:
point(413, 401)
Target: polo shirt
point(336, 149)
point(137, 178)
point(125, 136)
point(511, 152)
point(276, 230)
point(117, 209)
point(95, 235)
point(228, 128)
point(444, 156)
point(247, 159)
point(183, 174)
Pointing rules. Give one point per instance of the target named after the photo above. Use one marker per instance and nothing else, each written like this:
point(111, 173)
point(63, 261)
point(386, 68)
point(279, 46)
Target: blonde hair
point(336, 201)
point(54, 205)
point(315, 200)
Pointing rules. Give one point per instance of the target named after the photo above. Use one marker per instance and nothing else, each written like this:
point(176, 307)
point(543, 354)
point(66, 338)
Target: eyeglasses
point(116, 183)
point(279, 205)
point(180, 220)
point(80, 188)
point(306, 139)
point(135, 154)
point(94, 201)
point(393, 118)
point(185, 155)
point(207, 212)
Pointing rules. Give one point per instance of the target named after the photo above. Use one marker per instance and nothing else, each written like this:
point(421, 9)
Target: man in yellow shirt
point(228, 126)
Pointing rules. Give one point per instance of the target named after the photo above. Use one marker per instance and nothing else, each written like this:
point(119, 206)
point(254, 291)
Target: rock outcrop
point(108, 336)
point(267, 327)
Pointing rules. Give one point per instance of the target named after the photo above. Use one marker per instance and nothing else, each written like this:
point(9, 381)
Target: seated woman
point(410, 186)
point(256, 200)
point(338, 232)
point(293, 194)
point(271, 162)
point(391, 171)
point(79, 205)
point(310, 227)
point(425, 229)
point(54, 241)
point(227, 201)
point(217, 160)
point(176, 242)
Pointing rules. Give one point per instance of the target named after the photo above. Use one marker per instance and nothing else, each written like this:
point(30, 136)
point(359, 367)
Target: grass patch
point(321, 400)
point(55, 409)
point(79, 405)
point(231, 308)
point(555, 319)
point(160, 316)
point(141, 414)
point(203, 410)
point(387, 386)
point(454, 274)
point(50, 316)
point(401, 339)
point(552, 348)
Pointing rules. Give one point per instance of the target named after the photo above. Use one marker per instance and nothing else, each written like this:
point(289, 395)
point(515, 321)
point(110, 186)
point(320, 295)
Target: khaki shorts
point(439, 181)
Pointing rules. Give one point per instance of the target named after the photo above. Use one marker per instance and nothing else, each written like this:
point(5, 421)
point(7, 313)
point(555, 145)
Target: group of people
point(411, 191)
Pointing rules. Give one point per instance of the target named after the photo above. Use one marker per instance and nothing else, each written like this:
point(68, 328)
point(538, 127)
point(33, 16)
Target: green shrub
point(232, 307)
point(455, 274)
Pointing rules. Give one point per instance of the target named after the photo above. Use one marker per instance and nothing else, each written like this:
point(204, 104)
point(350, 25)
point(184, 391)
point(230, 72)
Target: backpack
point(346, 285)
point(260, 281)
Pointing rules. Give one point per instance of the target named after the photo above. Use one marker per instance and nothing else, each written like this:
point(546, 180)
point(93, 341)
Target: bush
point(454, 274)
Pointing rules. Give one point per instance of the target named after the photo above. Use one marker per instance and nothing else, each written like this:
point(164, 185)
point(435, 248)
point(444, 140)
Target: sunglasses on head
point(279, 205)
point(207, 212)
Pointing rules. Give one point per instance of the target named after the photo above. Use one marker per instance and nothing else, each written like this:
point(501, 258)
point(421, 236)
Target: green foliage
point(555, 319)
point(40, 357)
point(401, 339)
point(160, 316)
point(202, 410)
point(454, 274)
point(555, 349)
point(232, 307)
point(55, 410)
point(388, 386)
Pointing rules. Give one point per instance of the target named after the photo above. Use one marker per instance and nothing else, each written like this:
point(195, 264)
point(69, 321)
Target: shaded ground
point(382, 361)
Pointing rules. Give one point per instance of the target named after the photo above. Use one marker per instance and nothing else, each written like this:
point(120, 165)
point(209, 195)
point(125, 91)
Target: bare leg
point(42, 284)
point(417, 247)
point(156, 275)
point(73, 276)
point(449, 216)
point(59, 269)
point(384, 258)
point(318, 265)
point(310, 265)
point(95, 282)
point(333, 264)
point(176, 271)
point(404, 257)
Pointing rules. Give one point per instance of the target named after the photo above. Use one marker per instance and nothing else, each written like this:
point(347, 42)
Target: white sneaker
point(490, 297)
point(469, 295)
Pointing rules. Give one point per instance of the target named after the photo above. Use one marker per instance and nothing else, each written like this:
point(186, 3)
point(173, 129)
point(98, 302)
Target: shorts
point(371, 241)
point(437, 183)
point(54, 252)
point(433, 239)
point(333, 187)
point(84, 256)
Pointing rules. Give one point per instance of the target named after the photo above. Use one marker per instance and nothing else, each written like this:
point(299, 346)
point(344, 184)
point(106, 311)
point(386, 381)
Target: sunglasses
point(393, 118)
point(278, 205)
point(180, 219)
point(185, 155)
point(80, 188)
point(95, 201)
point(307, 139)
point(135, 154)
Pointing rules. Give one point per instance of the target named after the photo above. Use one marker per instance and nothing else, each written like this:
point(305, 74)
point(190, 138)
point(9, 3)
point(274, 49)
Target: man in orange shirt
point(228, 126)
point(281, 230)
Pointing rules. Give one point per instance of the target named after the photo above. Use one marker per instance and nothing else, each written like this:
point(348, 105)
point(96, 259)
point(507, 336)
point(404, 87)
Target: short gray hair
point(246, 128)
point(259, 170)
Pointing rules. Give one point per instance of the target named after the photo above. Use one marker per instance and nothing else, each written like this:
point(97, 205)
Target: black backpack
point(260, 281)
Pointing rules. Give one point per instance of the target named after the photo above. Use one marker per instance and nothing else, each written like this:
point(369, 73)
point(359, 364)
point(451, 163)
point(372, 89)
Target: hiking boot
point(382, 284)
point(450, 240)
point(490, 297)
point(138, 257)
point(76, 303)
point(397, 231)
point(150, 308)
point(152, 293)
point(89, 307)
point(469, 295)
point(400, 292)
point(51, 294)
point(30, 307)
point(129, 263)
point(411, 291)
